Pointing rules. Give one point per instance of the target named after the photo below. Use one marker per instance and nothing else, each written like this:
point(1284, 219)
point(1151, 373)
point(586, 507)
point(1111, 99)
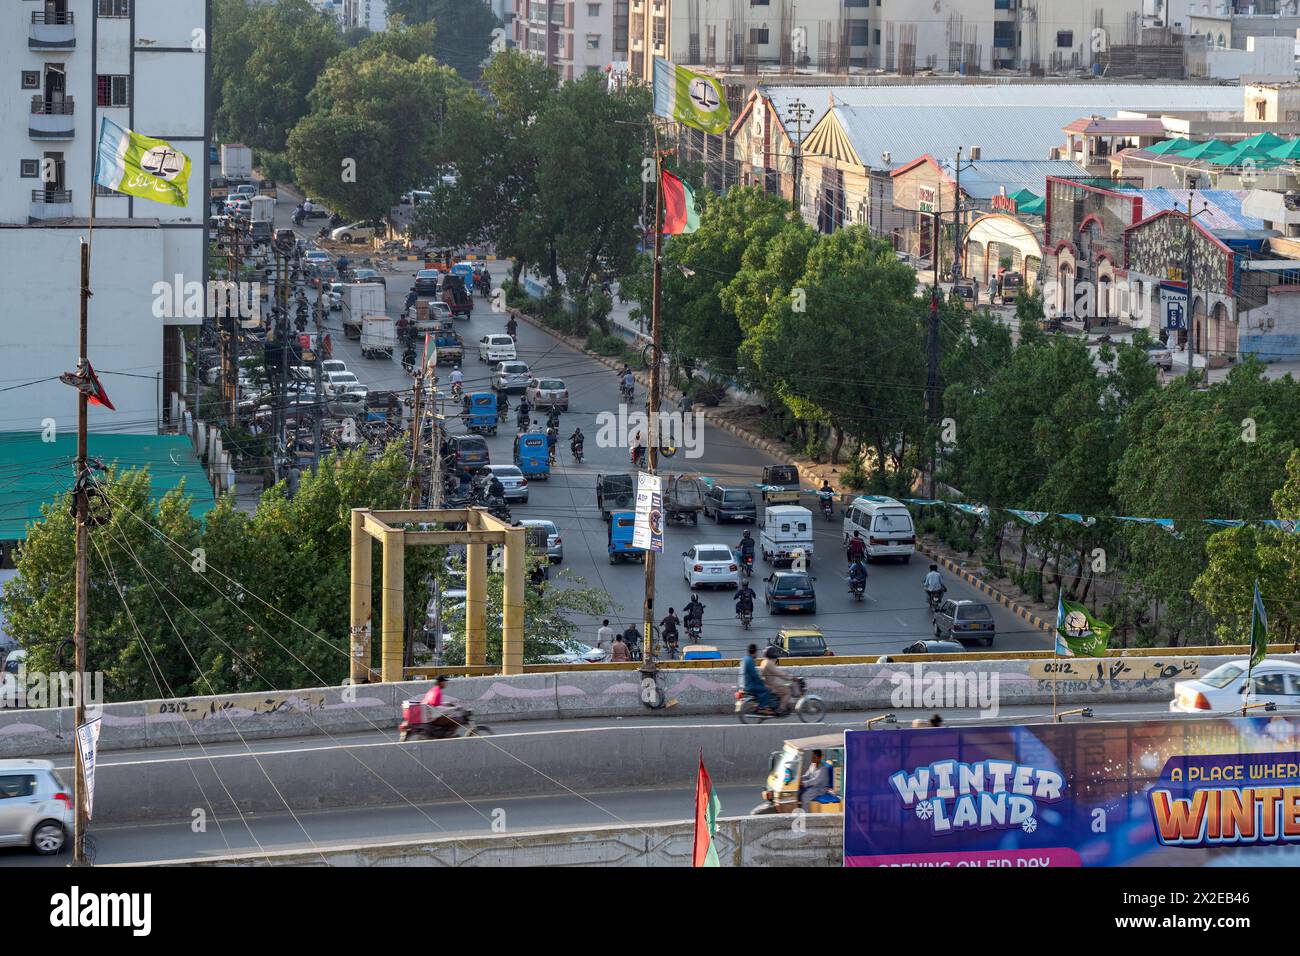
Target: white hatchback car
point(710, 565)
point(1222, 689)
point(496, 348)
point(338, 381)
point(549, 393)
point(35, 806)
point(353, 232)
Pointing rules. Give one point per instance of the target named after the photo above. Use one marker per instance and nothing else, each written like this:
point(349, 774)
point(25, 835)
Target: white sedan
point(710, 565)
point(1221, 690)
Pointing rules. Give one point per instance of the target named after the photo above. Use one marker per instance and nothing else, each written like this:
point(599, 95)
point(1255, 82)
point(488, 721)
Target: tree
point(265, 60)
point(466, 31)
point(375, 125)
point(488, 144)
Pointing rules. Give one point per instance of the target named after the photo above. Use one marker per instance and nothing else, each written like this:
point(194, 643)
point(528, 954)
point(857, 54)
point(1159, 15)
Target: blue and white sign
point(1173, 307)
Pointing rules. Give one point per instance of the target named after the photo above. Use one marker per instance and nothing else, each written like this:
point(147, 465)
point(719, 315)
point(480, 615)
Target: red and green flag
point(707, 808)
point(680, 216)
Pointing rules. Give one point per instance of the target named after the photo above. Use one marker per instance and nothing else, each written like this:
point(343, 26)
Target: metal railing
point(52, 18)
point(52, 195)
point(44, 107)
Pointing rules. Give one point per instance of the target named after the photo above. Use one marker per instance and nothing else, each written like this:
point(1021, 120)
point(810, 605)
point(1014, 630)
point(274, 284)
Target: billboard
point(1123, 793)
point(648, 533)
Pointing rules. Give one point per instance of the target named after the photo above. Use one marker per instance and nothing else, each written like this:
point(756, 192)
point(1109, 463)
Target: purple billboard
point(1122, 793)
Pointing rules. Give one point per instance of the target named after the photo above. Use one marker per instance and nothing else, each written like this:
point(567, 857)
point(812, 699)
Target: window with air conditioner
point(31, 79)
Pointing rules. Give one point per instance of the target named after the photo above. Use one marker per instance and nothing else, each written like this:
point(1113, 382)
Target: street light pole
point(800, 113)
point(648, 666)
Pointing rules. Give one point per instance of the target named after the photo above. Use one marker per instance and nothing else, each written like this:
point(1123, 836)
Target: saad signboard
point(1123, 793)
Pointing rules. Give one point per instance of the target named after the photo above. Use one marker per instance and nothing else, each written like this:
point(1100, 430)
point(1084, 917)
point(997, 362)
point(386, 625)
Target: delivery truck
point(378, 336)
point(261, 218)
point(236, 162)
point(360, 299)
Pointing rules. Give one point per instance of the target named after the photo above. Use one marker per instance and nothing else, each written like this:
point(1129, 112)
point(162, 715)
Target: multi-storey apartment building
point(143, 64)
point(371, 14)
point(831, 36)
point(574, 36)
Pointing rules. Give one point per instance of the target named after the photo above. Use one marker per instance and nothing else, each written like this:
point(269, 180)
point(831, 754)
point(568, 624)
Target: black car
point(964, 621)
point(426, 282)
point(466, 454)
point(730, 504)
point(790, 591)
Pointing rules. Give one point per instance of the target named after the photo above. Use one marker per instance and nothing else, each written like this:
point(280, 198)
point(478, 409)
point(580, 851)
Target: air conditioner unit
point(975, 153)
point(885, 157)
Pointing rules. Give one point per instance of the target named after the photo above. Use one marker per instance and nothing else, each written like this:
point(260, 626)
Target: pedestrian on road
point(605, 636)
point(619, 652)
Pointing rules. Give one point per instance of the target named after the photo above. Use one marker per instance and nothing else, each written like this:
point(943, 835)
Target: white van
point(787, 531)
point(884, 523)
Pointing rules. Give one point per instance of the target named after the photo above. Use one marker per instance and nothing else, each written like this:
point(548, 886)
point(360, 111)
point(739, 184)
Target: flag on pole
point(95, 393)
point(680, 216)
point(695, 99)
point(707, 808)
point(1078, 633)
point(141, 166)
point(1258, 631)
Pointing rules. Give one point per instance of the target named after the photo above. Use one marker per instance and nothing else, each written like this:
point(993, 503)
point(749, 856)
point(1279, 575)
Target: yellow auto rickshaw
point(787, 766)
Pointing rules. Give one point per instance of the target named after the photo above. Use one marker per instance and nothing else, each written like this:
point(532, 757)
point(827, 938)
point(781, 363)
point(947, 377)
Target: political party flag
point(1078, 633)
point(695, 99)
point(1258, 631)
point(141, 166)
point(680, 216)
point(95, 393)
point(707, 809)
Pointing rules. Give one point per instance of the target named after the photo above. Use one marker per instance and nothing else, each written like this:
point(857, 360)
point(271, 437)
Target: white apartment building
point(908, 36)
point(574, 36)
point(142, 63)
point(371, 14)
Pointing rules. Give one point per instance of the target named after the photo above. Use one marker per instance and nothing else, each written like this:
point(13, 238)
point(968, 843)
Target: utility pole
point(956, 226)
point(648, 665)
point(79, 794)
point(417, 426)
point(1187, 277)
point(932, 381)
point(320, 373)
point(800, 113)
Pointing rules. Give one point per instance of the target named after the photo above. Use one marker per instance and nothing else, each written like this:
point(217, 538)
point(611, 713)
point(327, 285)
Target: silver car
point(512, 480)
point(554, 545)
point(548, 393)
point(511, 377)
point(35, 806)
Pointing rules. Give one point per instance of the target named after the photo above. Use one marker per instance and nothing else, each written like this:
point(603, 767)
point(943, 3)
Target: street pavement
point(893, 615)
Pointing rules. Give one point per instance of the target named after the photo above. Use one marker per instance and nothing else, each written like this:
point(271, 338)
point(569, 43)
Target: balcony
point(51, 32)
point(51, 120)
point(51, 204)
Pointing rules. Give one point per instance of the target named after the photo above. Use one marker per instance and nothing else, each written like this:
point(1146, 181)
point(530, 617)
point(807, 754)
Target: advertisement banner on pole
point(1123, 793)
point(87, 742)
point(648, 533)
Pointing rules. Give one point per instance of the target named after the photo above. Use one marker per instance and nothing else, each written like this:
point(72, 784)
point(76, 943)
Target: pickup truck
point(451, 347)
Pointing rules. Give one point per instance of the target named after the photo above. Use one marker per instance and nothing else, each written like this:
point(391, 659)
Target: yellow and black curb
point(979, 584)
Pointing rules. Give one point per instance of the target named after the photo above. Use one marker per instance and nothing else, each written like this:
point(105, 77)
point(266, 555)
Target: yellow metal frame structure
point(394, 530)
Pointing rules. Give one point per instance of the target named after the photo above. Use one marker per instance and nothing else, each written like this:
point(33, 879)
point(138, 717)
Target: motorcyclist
point(412, 297)
point(553, 417)
point(668, 628)
point(933, 583)
point(524, 415)
point(575, 442)
point(857, 574)
point(751, 681)
point(825, 494)
point(857, 547)
point(457, 377)
point(746, 546)
point(512, 327)
point(693, 613)
point(492, 484)
point(408, 358)
point(745, 598)
point(632, 638)
point(552, 439)
point(629, 381)
point(638, 449)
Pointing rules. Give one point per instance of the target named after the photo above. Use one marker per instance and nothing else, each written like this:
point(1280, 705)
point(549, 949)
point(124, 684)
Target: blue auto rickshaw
point(621, 526)
point(531, 455)
point(480, 412)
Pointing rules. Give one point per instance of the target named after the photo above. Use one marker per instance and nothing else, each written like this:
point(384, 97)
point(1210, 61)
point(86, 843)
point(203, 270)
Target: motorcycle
point(809, 708)
point(857, 589)
point(828, 509)
point(747, 564)
point(438, 723)
point(408, 362)
point(693, 628)
point(457, 390)
point(935, 598)
point(626, 391)
point(577, 452)
point(745, 616)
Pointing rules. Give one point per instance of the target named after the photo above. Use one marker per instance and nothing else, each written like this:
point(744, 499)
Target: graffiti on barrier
point(1112, 673)
point(242, 704)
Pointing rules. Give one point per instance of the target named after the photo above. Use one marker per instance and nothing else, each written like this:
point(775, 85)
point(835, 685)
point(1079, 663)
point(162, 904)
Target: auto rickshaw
point(531, 455)
point(780, 485)
point(621, 526)
point(480, 412)
point(786, 768)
